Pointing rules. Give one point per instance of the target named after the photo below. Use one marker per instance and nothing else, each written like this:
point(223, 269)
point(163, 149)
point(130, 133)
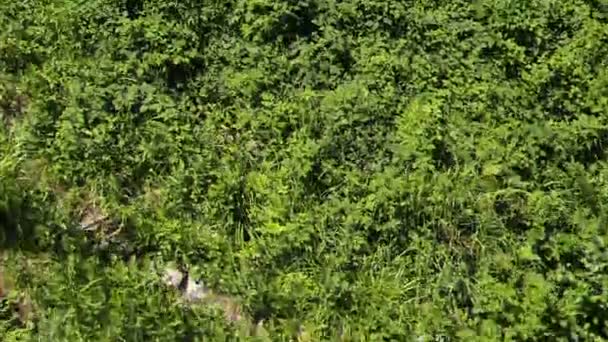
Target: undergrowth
point(372, 170)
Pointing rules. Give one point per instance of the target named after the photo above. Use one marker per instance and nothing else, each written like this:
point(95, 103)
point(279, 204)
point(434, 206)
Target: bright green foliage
point(383, 170)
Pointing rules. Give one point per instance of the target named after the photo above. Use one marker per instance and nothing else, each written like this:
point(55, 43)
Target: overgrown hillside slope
point(371, 170)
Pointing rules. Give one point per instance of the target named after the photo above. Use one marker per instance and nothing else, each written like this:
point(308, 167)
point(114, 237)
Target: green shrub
point(375, 170)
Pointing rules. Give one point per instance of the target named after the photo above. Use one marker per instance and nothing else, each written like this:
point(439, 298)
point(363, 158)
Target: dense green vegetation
point(372, 169)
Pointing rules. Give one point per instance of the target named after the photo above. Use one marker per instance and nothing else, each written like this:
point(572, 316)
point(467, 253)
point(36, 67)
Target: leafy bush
point(374, 170)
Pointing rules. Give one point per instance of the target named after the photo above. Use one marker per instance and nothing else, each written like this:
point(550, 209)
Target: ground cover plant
point(351, 170)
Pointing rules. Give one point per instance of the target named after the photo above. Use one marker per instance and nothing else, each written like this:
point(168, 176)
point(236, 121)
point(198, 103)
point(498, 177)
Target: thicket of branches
point(373, 169)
